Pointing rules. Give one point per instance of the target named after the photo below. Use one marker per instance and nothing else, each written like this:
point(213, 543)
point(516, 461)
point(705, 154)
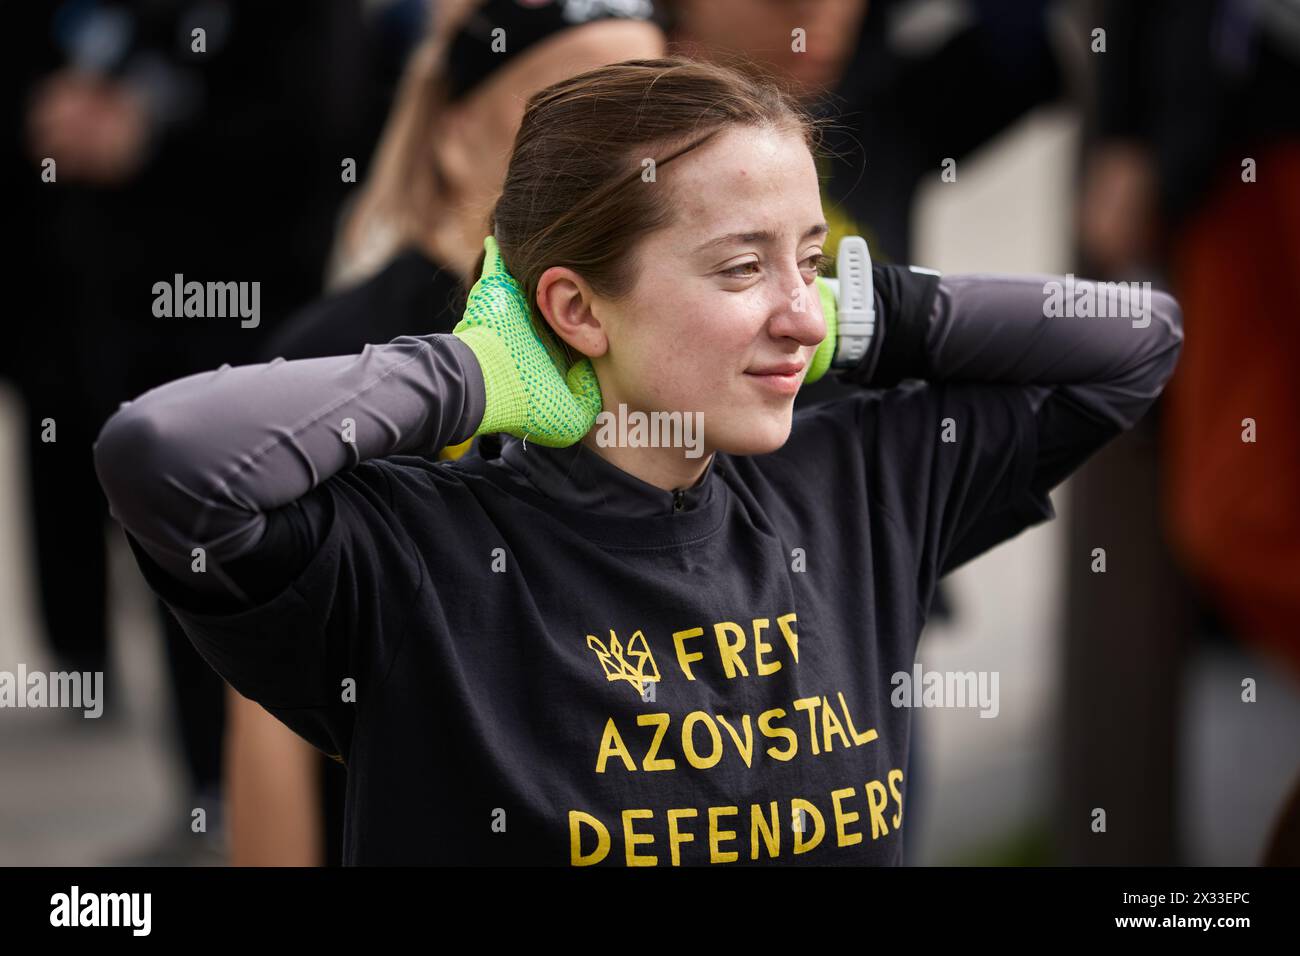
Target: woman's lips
point(782, 383)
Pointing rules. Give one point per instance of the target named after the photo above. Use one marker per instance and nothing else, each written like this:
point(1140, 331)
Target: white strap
point(855, 302)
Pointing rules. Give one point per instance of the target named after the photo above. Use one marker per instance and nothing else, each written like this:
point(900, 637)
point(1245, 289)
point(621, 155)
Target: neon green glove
point(826, 350)
point(531, 391)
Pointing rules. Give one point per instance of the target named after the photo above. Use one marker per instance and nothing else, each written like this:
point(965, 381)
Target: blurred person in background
point(200, 139)
point(402, 266)
point(1192, 172)
point(1202, 162)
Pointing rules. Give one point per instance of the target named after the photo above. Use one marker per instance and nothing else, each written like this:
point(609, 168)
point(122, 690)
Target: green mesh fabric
point(826, 350)
point(529, 394)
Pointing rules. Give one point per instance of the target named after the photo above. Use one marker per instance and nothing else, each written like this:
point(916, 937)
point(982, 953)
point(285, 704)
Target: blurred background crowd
point(313, 147)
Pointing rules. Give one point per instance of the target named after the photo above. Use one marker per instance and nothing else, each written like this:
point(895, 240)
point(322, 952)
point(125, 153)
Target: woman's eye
point(744, 265)
point(820, 263)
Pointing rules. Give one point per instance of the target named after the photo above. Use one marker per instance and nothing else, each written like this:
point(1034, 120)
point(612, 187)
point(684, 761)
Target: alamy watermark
point(923, 688)
point(130, 910)
point(75, 689)
point(208, 300)
point(651, 430)
point(1098, 300)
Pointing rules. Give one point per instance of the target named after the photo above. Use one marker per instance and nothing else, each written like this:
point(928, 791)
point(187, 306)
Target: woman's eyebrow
point(761, 235)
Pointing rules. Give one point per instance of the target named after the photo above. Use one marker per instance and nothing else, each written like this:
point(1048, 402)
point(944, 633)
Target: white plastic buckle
point(855, 302)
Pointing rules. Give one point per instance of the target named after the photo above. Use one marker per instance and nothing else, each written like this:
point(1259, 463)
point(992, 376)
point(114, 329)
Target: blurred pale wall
point(984, 778)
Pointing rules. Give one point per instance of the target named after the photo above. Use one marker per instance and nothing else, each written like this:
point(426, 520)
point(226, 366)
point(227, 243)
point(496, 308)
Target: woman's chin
point(759, 436)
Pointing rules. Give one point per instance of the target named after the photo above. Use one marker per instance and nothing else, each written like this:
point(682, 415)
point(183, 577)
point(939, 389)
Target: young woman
point(652, 657)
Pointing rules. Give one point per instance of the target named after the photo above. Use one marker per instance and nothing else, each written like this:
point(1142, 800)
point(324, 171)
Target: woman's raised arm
point(199, 462)
point(1108, 347)
point(1079, 361)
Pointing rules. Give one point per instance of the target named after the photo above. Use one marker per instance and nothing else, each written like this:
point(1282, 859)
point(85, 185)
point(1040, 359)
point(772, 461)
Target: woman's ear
point(569, 306)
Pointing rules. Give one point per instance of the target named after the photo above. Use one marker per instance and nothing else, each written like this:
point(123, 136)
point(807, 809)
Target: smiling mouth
point(780, 368)
point(782, 382)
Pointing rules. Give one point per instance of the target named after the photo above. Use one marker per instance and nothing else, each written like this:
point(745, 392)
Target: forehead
point(746, 178)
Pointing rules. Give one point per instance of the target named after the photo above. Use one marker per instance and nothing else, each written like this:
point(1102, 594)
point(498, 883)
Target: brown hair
point(575, 193)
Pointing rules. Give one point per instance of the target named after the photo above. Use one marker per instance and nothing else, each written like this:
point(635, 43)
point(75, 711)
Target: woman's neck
point(666, 468)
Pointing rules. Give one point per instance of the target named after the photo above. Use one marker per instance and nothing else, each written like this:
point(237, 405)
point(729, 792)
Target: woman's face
point(724, 294)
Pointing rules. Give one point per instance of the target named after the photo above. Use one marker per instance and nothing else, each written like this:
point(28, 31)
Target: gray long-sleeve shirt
point(505, 619)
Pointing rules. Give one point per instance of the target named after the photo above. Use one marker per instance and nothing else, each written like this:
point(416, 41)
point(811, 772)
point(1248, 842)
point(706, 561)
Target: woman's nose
point(798, 314)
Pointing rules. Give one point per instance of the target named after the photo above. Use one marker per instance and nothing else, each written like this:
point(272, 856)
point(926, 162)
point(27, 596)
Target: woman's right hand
point(529, 392)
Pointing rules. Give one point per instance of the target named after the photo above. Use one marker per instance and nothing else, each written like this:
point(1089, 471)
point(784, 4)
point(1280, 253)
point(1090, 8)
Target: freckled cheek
point(677, 387)
point(679, 377)
point(690, 358)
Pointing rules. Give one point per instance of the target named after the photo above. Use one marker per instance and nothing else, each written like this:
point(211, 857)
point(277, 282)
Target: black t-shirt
point(512, 680)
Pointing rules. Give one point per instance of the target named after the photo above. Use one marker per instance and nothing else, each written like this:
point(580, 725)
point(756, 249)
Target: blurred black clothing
point(240, 182)
point(412, 295)
point(905, 107)
point(243, 183)
point(1194, 80)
